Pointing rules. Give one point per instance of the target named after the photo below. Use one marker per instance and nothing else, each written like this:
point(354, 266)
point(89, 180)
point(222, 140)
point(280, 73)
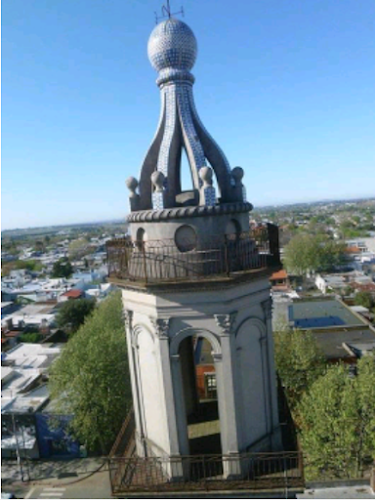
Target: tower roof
point(172, 50)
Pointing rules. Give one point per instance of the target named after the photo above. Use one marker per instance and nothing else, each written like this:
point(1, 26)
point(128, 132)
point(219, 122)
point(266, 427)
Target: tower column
point(271, 377)
point(224, 366)
point(162, 327)
point(181, 418)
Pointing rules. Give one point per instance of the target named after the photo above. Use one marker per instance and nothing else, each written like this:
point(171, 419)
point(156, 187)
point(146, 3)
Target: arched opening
point(185, 172)
point(200, 395)
point(140, 237)
point(214, 181)
point(233, 229)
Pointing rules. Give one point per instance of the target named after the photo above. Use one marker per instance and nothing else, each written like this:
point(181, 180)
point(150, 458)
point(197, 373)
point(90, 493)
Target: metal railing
point(246, 471)
point(157, 261)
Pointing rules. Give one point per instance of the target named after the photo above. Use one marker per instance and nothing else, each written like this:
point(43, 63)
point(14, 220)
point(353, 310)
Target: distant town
point(52, 276)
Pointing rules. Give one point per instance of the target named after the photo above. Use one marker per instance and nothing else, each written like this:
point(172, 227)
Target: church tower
point(194, 278)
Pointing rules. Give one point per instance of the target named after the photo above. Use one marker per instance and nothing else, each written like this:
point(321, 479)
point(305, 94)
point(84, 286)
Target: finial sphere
point(238, 173)
point(131, 183)
point(157, 178)
point(205, 173)
point(172, 44)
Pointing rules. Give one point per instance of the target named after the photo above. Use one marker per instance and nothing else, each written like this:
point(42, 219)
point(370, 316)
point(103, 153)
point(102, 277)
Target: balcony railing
point(246, 471)
point(158, 261)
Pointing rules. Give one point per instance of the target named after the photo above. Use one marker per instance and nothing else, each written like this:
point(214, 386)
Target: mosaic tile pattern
point(196, 117)
point(244, 195)
point(209, 196)
point(169, 128)
point(158, 200)
point(192, 143)
point(172, 44)
point(172, 51)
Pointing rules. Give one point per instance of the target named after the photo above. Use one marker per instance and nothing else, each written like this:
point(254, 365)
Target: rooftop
point(322, 313)
point(279, 275)
point(345, 343)
point(73, 294)
point(31, 356)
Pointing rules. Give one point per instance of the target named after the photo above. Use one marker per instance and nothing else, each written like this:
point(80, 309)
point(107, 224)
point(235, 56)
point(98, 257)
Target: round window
point(185, 238)
point(233, 229)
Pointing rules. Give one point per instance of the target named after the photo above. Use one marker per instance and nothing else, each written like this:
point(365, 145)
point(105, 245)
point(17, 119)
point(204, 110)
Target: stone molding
point(217, 357)
point(267, 308)
point(128, 319)
point(226, 322)
point(161, 326)
point(182, 212)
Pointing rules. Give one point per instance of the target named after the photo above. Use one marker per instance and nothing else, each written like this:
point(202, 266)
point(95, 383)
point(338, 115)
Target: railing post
point(226, 256)
point(204, 473)
point(144, 260)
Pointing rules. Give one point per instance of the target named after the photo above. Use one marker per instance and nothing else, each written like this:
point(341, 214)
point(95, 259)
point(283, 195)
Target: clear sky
point(286, 87)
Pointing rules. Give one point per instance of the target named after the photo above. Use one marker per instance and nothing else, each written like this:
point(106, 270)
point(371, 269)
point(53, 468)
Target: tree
point(78, 248)
point(299, 361)
point(90, 380)
point(337, 422)
point(364, 299)
point(62, 268)
point(365, 392)
point(30, 337)
point(300, 255)
point(308, 253)
point(331, 253)
point(72, 313)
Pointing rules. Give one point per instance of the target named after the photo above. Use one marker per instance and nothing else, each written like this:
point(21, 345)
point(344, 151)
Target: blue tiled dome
point(172, 44)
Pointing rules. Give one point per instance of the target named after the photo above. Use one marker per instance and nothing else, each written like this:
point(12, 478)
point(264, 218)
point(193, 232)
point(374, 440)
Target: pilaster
point(161, 326)
point(225, 374)
point(271, 376)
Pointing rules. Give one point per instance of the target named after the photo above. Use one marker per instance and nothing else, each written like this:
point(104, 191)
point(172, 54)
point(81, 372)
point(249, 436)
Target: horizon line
point(255, 207)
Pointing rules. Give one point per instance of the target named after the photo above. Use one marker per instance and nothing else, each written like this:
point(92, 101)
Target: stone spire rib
point(192, 144)
point(149, 161)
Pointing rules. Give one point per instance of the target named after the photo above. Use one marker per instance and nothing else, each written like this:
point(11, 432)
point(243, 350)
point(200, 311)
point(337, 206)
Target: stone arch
point(190, 331)
point(258, 323)
point(139, 328)
point(184, 385)
point(253, 379)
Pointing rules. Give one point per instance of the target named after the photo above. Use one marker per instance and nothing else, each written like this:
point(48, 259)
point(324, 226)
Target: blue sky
point(286, 87)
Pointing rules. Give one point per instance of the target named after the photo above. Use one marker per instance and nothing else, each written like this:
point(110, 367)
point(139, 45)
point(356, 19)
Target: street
point(95, 486)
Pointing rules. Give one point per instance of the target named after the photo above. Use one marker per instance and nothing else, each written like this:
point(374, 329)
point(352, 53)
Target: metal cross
point(166, 12)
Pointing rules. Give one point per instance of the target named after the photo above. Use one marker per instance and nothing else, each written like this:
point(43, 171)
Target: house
point(330, 282)
point(280, 281)
point(99, 292)
point(24, 394)
point(39, 315)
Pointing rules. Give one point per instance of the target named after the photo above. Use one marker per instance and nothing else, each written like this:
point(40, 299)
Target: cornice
point(184, 212)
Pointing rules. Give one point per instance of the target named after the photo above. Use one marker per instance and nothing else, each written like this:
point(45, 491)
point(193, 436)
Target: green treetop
point(299, 361)
point(62, 268)
point(90, 380)
point(337, 422)
point(72, 313)
point(306, 253)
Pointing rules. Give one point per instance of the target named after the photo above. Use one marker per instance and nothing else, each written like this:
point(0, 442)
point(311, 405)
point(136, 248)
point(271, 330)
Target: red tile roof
point(279, 275)
point(352, 250)
point(73, 294)
point(363, 287)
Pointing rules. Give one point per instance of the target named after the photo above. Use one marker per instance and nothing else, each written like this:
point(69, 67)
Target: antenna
point(166, 12)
